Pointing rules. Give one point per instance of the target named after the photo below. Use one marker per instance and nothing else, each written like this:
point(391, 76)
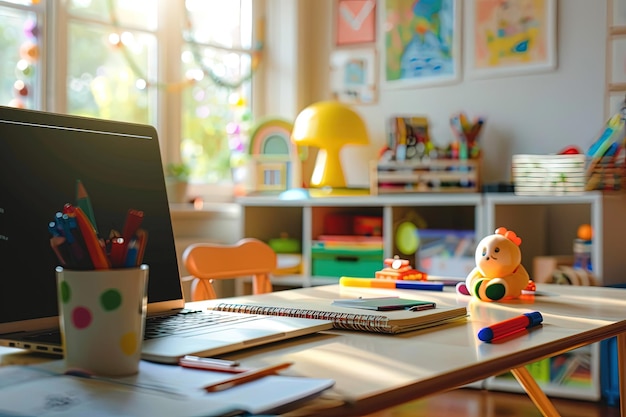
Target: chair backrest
point(209, 261)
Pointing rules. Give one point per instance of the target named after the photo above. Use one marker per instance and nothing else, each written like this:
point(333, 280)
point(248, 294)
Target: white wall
point(538, 113)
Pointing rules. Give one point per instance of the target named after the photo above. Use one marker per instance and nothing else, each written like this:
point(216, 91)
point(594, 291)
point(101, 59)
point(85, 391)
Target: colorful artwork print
point(421, 42)
point(512, 34)
point(355, 72)
point(353, 76)
point(356, 21)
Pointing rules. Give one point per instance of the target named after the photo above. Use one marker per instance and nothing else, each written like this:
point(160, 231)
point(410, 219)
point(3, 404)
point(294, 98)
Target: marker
point(131, 254)
point(390, 283)
point(117, 255)
point(66, 227)
point(510, 326)
point(133, 221)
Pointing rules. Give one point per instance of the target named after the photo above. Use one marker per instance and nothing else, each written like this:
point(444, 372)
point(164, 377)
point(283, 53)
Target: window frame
point(167, 113)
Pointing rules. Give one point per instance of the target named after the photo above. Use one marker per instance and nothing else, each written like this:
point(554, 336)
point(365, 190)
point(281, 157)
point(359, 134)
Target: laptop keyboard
point(184, 322)
point(190, 321)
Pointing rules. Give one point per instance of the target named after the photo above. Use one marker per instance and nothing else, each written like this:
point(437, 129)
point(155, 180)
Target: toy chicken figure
point(498, 274)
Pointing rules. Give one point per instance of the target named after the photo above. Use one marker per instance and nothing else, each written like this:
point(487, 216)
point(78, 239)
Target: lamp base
point(337, 192)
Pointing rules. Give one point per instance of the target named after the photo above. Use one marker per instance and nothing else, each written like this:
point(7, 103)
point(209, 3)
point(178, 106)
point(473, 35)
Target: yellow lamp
point(329, 125)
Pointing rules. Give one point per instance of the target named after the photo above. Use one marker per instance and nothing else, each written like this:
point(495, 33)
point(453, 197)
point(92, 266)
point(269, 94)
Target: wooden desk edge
point(453, 380)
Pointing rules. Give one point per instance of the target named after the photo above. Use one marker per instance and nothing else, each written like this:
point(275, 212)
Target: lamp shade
point(329, 125)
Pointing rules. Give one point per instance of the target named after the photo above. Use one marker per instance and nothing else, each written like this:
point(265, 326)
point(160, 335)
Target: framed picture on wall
point(618, 60)
point(353, 75)
point(617, 11)
point(510, 38)
point(422, 42)
point(355, 22)
point(617, 100)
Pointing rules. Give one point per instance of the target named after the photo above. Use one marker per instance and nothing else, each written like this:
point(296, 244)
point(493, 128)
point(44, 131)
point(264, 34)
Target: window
point(21, 27)
point(216, 108)
point(183, 66)
point(111, 56)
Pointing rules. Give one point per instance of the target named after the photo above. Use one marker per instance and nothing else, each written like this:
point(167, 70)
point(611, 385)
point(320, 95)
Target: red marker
point(510, 326)
point(133, 221)
point(118, 252)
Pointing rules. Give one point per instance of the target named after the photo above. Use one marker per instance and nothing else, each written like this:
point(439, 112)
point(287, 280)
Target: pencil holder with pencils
point(467, 133)
point(77, 245)
point(102, 316)
point(101, 289)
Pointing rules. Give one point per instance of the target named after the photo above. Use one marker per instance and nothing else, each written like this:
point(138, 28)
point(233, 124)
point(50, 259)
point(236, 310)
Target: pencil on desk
point(248, 376)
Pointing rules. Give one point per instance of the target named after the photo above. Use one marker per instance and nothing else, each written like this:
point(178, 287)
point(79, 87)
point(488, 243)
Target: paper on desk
point(156, 390)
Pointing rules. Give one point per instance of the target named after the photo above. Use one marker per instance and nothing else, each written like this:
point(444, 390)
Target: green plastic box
point(337, 262)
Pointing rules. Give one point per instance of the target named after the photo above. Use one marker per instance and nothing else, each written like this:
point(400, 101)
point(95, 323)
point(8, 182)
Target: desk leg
point(535, 393)
point(621, 363)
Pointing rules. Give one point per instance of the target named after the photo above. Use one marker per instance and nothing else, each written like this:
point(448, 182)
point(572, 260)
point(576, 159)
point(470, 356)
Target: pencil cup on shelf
point(102, 316)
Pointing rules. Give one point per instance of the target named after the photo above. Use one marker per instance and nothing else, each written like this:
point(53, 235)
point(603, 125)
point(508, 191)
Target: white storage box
point(548, 174)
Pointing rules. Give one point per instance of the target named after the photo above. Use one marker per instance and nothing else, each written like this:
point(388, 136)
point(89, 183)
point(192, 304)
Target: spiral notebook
point(320, 303)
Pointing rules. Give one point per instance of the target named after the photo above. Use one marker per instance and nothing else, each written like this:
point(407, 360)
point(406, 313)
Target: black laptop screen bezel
point(42, 156)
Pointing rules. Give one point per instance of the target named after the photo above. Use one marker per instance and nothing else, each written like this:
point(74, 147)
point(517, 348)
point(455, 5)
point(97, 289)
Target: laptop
point(42, 157)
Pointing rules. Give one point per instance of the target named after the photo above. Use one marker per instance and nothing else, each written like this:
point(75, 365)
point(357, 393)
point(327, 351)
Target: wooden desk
point(375, 371)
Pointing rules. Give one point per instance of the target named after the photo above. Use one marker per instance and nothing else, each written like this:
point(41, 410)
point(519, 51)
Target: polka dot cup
point(102, 315)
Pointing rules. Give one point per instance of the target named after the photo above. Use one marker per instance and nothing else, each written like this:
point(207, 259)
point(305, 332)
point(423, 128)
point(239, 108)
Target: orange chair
point(209, 261)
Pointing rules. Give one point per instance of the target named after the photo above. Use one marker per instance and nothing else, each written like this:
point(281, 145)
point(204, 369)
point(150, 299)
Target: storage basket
point(548, 174)
point(605, 174)
point(433, 175)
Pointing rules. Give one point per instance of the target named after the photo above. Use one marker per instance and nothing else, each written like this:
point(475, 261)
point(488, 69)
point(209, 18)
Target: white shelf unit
point(266, 217)
point(575, 374)
point(548, 226)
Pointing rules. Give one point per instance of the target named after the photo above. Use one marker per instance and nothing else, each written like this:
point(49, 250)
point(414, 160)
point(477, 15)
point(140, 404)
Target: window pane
point(214, 117)
point(19, 57)
point(218, 22)
point(140, 14)
point(22, 2)
point(105, 79)
point(216, 109)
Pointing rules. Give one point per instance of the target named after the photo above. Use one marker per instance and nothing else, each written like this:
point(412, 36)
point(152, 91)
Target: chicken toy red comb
point(509, 234)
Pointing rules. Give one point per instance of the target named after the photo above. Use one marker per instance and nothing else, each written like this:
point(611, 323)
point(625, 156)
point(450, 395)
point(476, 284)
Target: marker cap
point(534, 318)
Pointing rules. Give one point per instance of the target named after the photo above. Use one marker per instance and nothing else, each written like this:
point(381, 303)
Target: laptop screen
point(42, 157)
